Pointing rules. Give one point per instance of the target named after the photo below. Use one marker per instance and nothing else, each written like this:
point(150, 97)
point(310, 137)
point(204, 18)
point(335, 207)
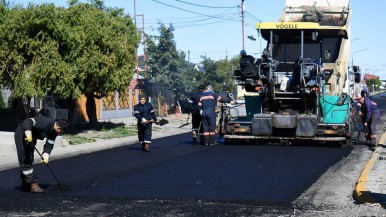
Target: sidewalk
point(8, 156)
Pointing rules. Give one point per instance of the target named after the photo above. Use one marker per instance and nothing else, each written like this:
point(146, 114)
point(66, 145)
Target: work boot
point(374, 141)
point(25, 186)
point(373, 144)
point(35, 188)
point(207, 140)
point(202, 140)
point(147, 147)
point(194, 133)
point(212, 140)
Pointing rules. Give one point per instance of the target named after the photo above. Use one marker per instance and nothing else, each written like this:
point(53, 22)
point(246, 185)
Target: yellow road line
point(362, 195)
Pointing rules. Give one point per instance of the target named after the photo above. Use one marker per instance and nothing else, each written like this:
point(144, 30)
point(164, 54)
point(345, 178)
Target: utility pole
point(136, 51)
point(143, 42)
point(242, 22)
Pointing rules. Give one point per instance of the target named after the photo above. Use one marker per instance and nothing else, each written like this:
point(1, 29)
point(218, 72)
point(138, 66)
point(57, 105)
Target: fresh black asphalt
point(174, 170)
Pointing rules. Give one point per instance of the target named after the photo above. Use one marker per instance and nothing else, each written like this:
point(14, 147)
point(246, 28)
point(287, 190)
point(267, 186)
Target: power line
point(231, 16)
point(205, 6)
point(258, 8)
point(252, 16)
point(201, 24)
point(189, 10)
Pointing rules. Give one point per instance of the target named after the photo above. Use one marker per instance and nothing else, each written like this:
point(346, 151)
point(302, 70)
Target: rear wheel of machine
point(348, 142)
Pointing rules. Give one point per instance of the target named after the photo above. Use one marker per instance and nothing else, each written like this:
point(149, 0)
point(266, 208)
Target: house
point(196, 67)
point(369, 77)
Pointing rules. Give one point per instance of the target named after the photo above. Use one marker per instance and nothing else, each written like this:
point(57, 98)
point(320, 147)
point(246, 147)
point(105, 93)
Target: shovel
point(60, 185)
point(160, 122)
point(187, 122)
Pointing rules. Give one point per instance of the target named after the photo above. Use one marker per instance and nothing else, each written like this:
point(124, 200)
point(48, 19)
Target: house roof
point(196, 67)
point(368, 77)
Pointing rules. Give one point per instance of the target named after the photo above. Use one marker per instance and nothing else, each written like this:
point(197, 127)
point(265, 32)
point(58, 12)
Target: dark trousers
point(196, 119)
point(367, 129)
point(144, 133)
point(209, 120)
point(25, 155)
point(209, 124)
point(373, 125)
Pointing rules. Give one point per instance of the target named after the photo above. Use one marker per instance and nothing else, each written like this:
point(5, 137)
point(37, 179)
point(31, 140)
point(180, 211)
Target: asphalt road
point(175, 178)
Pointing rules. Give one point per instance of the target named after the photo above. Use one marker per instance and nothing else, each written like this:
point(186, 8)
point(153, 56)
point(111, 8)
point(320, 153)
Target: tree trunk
point(20, 109)
point(91, 110)
point(70, 105)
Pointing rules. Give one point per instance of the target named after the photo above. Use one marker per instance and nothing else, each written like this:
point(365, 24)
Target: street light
point(251, 37)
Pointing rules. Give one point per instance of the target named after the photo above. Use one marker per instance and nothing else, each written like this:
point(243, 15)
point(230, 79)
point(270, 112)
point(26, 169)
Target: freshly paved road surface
point(173, 171)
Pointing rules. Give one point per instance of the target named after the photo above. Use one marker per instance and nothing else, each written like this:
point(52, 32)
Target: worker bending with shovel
point(208, 103)
point(370, 115)
point(26, 136)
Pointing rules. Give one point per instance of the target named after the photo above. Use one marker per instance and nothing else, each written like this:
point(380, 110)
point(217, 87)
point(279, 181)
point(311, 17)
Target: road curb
point(361, 194)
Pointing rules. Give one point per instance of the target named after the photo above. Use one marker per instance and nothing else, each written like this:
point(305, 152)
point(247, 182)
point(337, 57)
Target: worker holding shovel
point(26, 135)
point(145, 115)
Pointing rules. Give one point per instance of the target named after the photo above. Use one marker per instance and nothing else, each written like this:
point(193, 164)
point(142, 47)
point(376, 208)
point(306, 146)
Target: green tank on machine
point(253, 105)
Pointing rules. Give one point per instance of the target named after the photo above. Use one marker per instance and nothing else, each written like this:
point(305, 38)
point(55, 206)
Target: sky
point(214, 28)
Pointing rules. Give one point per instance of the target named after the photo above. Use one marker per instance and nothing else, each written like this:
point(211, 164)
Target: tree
point(165, 62)
point(224, 73)
point(84, 49)
point(29, 59)
point(169, 67)
point(375, 82)
point(102, 48)
point(2, 103)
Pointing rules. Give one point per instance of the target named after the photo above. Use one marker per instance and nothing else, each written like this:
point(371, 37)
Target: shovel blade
point(162, 122)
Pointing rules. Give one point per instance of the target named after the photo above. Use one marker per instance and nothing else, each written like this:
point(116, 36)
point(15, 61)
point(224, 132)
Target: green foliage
point(165, 62)
point(83, 49)
point(108, 132)
point(102, 46)
point(2, 103)
point(169, 67)
point(219, 74)
point(375, 82)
